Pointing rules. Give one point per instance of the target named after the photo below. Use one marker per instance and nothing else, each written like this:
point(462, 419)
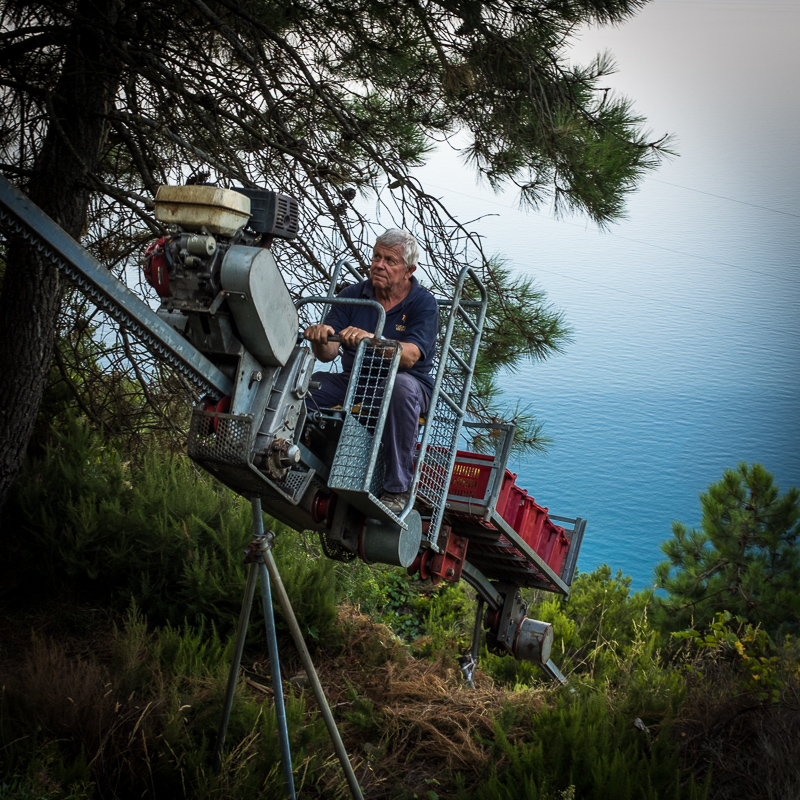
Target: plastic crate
point(530, 521)
point(506, 492)
point(547, 540)
point(553, 545)
point(470, 479)
point(508, 505)
point(559, 551)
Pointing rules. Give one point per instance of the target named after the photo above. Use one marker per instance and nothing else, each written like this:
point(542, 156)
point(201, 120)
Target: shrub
point(105, 531)
point(601, 630)
point(744, 558)
point(581, 746)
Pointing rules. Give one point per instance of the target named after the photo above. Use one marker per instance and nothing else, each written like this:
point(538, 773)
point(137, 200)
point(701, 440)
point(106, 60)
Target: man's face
point(388, 269)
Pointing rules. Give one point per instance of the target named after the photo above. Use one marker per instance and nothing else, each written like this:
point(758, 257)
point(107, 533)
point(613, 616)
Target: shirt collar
point(368, 290)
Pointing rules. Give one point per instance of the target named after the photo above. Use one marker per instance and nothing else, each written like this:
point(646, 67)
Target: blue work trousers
point(408, 403)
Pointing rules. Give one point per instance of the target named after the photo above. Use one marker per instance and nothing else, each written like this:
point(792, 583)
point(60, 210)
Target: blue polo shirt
point(415, 320)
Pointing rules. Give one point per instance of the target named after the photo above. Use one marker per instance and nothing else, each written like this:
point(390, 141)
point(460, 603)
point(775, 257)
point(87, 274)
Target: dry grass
point(75, 699)
point(431, 722)
point(751, 746)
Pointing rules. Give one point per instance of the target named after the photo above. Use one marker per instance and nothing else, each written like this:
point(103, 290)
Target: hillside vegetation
point(122, 583)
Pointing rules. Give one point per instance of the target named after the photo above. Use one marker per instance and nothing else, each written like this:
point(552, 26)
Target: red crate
point(559, 551)
point(470, 479)
point(530, 520)
point(514, 499)
point(553, 545)
point(505, 490)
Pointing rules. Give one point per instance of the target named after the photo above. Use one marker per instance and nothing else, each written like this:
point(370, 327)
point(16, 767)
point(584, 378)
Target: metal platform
point(510, 538)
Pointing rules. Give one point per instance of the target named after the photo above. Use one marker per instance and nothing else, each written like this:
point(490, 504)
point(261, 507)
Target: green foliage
point(102, 528)
point(363, 714)
point(106, 531)
point(434, 619)
point(745, 558)
point(48, 777)
point(766, 670)
point(603, 639)
point(402, 609)
point(582, 747)
point(155, 694)
point(600, 627)
point(148, 726)
point(311, 581)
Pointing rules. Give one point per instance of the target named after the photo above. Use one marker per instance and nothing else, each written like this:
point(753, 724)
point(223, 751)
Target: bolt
point(450, 572)
point(255, 375)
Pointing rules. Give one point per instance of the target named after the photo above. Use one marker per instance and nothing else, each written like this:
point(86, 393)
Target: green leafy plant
point(744, 558)
point(583, 747)
point(762, 665)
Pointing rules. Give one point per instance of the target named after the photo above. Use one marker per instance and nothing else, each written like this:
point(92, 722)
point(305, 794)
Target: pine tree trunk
point(60, 185)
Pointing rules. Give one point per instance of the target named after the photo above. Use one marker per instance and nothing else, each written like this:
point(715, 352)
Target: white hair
point(392, 237)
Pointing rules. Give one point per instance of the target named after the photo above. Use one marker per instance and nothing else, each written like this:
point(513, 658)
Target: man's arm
point(409, 352)
point(418, 340)
point(317, 337)
point(409, 355)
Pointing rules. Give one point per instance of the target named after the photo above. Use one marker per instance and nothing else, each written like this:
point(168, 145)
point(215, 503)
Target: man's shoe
point(395, 501)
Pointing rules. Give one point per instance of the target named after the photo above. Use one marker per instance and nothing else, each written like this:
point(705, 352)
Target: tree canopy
point(745, 557)
point(334, 103)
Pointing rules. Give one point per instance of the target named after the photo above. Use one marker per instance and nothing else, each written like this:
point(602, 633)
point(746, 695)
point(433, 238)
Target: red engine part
point(217, 407)
point(155, 266)
point(323, 507)
point(446, 564)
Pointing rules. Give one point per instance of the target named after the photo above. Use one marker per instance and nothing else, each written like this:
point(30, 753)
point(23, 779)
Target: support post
point(272, 647)
point(233, 675)
point(258, 547)
point(468, 663)
point(316, 686)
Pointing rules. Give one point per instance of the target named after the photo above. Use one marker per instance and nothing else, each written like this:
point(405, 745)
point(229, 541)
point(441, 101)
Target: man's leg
point(409, 400)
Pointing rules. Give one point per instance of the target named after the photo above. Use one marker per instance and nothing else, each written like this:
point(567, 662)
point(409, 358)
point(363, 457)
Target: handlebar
point(353, 301)
point(334, 337)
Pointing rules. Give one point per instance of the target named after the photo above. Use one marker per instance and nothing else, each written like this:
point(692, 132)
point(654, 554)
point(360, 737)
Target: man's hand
point(317, 336)
point(352, 336)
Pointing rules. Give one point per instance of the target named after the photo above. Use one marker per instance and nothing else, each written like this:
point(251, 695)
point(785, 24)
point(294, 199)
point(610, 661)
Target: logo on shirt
point(401, 327)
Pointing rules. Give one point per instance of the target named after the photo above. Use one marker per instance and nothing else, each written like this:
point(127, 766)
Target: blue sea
point(686, 345)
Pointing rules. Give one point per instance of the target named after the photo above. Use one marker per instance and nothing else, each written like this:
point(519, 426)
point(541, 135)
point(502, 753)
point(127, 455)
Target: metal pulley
point(511, 631)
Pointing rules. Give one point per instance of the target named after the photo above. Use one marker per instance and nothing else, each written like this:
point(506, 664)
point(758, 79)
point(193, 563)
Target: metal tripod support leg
point(316, 686)
point(264, 564)
point(468, 663)
point(256, 555)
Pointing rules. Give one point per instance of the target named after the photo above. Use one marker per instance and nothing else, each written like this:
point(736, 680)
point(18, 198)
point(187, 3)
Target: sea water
point(685, 350)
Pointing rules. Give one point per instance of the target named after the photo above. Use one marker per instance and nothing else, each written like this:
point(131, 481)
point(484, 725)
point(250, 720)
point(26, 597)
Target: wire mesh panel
point(352, 456)
point(220, 438)
point(357, 469)
point(461, 321)
point(223, 445)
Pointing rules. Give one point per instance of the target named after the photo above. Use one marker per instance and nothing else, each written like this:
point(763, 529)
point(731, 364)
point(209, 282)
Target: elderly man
point(412, 318)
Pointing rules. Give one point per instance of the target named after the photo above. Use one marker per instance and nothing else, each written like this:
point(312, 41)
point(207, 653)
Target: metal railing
point(457, 355)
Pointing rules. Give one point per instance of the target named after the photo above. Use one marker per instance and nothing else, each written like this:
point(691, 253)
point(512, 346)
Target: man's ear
point(410, 270)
